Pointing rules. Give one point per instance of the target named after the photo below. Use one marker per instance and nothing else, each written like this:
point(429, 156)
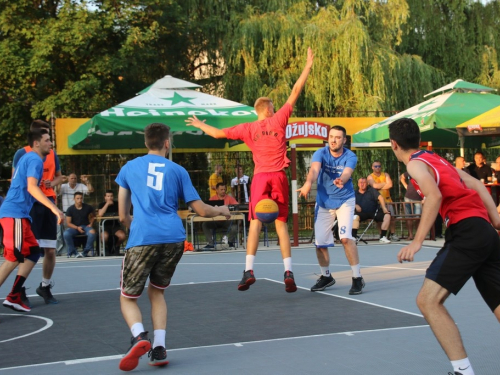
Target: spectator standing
point(79, 220)
point(332, 168)
point(112, 227)
point(368, 200)
point(413, 205)
point(68, 190)
point(460, 164)
point(44, 223)
point(479, 169)
point(240, 185)
point(20, 244)
point(156, 239)
point(209, 226)
point(383, 182)
point(267, 139)
point(214, 179)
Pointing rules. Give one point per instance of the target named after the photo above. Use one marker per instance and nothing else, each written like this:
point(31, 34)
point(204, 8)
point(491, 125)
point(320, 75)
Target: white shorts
point(324, 220)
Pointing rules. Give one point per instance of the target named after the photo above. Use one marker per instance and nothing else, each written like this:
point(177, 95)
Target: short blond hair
point(262, 104)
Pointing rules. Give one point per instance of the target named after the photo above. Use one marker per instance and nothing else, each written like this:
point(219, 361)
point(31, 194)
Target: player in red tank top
point(469, 214)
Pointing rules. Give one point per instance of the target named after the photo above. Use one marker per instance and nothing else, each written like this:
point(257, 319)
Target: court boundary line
point(236, 344)
point(48, 323)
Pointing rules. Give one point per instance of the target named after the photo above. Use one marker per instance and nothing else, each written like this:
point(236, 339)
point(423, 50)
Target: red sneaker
point(247, 280)
point(14, 301)
point(140, 346)
point(290, 286)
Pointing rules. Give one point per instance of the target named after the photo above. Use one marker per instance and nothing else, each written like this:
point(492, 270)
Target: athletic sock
point(18, 284)
point(383, 233)
point(462, 366)
point(249, 262)
point(287, 262)
point(354, 233)
point(136, 329)
point(356, 270)
point(159, 339)
point(45, 282)
point(325, 271)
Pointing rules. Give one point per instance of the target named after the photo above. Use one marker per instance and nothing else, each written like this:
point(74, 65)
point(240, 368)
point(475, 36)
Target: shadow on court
point(87, 325)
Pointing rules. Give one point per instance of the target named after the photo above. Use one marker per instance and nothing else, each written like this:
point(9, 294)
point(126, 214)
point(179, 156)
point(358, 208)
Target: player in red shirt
point(469, 214)
point(266, 138)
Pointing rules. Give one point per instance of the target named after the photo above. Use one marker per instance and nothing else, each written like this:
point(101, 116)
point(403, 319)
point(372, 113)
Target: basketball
point(266, 210)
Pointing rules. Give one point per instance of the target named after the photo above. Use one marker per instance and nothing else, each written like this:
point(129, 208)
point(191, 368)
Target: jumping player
point(332, 167)
point(468, 212)
point(44, 224)
point(154, 186)
point(20, 245)
point(266, 138)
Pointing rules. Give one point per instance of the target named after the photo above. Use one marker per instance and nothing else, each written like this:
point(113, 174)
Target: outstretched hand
point(338, 183)
point(407, 253)
point(304, 190)
point(193, 121)
point(310, 56)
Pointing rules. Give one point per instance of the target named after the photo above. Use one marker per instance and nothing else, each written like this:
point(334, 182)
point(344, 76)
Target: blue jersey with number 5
point(156, 185)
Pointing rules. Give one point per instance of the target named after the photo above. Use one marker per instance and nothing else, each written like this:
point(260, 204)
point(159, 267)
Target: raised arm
point(299, 85)
point(208, 129)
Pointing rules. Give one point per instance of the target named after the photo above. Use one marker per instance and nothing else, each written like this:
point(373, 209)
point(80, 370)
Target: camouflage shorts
point(158, 262)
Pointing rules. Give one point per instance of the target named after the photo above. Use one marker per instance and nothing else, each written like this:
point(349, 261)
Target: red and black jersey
point(458, 201)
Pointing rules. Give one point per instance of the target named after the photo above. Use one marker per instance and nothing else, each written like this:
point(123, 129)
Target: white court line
point(236, 344)
point(302, 264)
point(352, 299)
point(48, 324)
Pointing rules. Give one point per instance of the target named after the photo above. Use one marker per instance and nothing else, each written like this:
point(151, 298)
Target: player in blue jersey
point(20, 245)
point(153, 185)
point(332, 167)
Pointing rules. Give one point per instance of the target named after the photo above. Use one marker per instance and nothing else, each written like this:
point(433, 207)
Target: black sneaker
point(158, 356)
point(140, 345)
point(46, 294)
point(247, 280)
point(290, 286)
point(357, 285)
point(24, 297)
point(322, 283)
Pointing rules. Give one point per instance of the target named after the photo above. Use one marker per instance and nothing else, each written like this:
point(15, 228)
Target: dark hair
point(405, 133)
point(155, 135)
point(109, 191)
point(220, 184)
point(78, 193)
point(338, 127)
point(39, 124)
point(36, 135)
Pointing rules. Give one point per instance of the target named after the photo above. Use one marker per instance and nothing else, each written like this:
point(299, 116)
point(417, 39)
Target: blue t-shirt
point(328, 195)
point(156, 184)
point(18, 202)
point(21, 152)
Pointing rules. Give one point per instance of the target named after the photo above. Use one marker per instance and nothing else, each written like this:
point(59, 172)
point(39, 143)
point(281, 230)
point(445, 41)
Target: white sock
point(325, 271)
point(463, 366)
point(249, 262)
point(356, 270)
point(287, 262)
point(136, 329)
point(45, 282)
point(159, 338)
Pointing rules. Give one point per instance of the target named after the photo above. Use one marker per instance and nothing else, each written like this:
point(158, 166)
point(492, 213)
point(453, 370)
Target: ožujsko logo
point(304, 129)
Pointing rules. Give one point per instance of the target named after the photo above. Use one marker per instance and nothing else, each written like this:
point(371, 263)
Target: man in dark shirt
point(79, 220)
point(367, 202)
point(480, 169)
point(109, 208)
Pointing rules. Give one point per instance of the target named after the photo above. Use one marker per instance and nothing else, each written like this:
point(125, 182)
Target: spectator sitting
point(111, 227)
point(208, 226)
point(79, 220)
point(69, 189)
point(367, 201)
point(480, 169)
point(460, 164)
point(240, 185)
point(413, 205)
point(496, 170)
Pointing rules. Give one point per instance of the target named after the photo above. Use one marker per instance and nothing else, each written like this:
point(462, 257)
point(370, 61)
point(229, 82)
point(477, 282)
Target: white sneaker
point(79, 255)
point(384, 240)
point(394, 237)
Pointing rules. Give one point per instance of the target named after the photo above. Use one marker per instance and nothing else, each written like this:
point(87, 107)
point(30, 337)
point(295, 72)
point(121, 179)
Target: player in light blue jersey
point(332, 167)
point(153, 185)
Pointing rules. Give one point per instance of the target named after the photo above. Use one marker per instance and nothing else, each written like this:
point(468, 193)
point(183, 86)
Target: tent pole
point(462, 148)
point(171, 141)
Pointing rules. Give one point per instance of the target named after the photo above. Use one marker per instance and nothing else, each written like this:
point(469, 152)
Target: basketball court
point(215, 329)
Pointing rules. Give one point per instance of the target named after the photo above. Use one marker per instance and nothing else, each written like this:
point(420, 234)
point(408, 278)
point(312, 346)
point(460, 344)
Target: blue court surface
point(215, 329)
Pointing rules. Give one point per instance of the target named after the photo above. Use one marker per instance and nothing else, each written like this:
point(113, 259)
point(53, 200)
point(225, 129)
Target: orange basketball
point(266, 210)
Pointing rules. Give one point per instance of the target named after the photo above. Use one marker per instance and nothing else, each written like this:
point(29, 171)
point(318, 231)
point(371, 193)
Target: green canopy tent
point(439, 116)
point(170, 101)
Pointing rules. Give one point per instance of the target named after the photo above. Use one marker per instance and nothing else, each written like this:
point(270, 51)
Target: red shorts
point(270, 185)
point(18, 240)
